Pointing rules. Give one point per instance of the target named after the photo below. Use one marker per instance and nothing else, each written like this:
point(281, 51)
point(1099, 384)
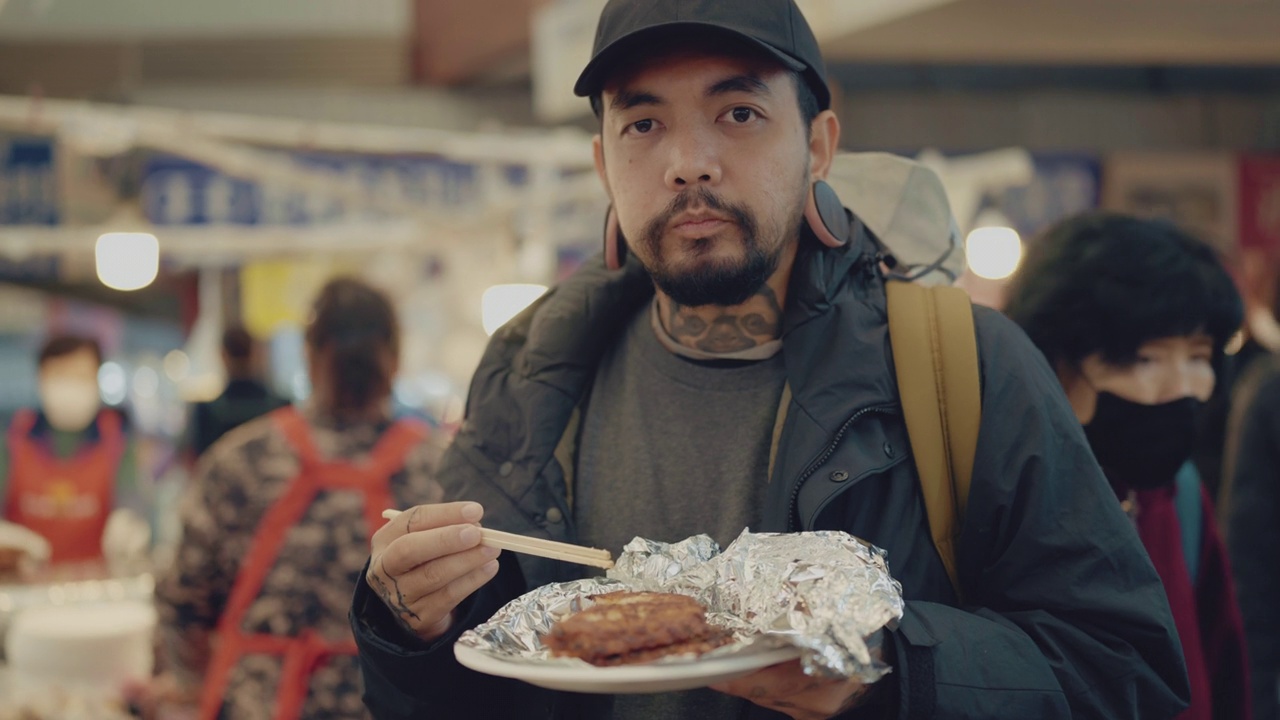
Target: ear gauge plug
point(826, 215)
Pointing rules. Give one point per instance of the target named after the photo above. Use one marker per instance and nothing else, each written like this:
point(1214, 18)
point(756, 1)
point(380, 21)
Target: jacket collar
point(835, 340)
point(538, 369)
point(820, 273)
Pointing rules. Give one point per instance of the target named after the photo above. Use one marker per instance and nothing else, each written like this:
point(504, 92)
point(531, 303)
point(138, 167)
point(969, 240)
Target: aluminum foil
point(827, 593)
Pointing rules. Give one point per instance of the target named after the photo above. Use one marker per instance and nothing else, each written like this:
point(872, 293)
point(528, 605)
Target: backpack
point(935, 357)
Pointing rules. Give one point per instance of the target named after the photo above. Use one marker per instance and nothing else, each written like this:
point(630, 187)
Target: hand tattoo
point(399, 608)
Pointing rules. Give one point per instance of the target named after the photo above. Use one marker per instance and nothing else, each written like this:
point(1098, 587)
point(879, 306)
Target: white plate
point(624, 679)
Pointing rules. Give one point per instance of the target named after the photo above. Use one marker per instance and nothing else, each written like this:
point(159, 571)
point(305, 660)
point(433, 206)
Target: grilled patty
point(635, 627)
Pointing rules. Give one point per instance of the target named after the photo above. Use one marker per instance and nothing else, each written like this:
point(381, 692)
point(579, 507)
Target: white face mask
point(70, 405)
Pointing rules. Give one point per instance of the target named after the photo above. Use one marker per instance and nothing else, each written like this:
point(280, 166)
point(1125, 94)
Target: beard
point(725, 282)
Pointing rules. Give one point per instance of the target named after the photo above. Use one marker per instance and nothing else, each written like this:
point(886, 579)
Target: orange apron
point(65, 500)
point(304, 654)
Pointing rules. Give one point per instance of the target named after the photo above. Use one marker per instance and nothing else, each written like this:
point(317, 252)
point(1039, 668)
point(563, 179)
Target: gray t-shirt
point(670, 448)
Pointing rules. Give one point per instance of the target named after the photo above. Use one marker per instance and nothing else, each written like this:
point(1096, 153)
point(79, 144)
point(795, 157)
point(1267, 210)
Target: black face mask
point(1140, 445)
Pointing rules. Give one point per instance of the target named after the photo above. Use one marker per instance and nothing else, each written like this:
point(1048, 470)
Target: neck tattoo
point(716, 329)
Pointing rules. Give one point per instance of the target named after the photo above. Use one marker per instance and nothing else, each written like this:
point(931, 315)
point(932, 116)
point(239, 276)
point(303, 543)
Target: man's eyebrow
point(626, 99)
point(739, 84)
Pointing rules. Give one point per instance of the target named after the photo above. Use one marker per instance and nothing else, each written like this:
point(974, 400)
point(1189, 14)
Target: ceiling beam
point(1240, 32)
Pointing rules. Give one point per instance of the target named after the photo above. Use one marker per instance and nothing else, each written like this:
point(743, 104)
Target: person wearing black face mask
point(1134, 316)
point(1142, 445)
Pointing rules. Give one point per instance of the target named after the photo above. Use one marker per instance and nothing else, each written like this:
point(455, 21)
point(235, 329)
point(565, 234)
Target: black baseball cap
point(775, 26)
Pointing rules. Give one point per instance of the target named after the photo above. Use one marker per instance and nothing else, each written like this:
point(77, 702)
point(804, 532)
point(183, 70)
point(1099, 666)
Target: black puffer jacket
point(1065, 616)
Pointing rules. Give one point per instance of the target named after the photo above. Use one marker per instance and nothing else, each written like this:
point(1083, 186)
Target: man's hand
point(788, 690)
point(426, 561)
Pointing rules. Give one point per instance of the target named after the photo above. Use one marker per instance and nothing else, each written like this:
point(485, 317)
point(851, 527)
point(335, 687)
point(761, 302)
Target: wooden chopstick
point(546, 548)
point(537, 546)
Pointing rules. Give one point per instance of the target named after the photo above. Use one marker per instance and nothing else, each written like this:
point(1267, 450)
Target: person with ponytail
point(1134, 316)
point(277, 523)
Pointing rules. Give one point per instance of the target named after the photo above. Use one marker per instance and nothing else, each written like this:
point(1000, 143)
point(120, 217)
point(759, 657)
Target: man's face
point(79, 367)
point(707, 161)
point(68, 389)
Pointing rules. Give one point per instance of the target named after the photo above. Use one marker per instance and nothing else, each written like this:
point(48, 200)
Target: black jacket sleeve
point(1254, 542)
point(1065, 616)
point(407, 679)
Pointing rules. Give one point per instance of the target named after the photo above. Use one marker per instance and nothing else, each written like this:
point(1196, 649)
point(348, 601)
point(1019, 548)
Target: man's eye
point(642, 126)
point(742, 114)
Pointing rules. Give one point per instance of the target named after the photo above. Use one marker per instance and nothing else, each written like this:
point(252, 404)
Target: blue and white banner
point(28, 196)
point(28, 182)
point(176, 191)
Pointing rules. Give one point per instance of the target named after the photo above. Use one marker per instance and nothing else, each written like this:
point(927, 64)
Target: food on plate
point(624, 628)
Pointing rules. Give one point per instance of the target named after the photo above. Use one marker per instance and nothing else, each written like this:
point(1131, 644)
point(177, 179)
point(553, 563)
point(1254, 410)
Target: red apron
point(66, 501)
point(304, 654)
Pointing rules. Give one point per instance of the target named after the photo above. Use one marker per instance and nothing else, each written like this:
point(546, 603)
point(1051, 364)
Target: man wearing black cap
point(726, 364)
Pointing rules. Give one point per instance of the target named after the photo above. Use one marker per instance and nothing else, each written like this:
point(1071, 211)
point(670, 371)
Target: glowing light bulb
point(127, 260)
point(993, 252)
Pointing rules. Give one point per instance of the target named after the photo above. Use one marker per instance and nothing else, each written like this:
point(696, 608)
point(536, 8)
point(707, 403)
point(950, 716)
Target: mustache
point(699, 196)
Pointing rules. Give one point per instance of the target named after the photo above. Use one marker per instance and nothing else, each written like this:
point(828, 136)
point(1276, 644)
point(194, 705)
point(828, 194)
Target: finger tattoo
point(397, 604)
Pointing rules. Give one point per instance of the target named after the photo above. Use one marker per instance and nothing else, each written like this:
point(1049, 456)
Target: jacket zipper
point(825, 455)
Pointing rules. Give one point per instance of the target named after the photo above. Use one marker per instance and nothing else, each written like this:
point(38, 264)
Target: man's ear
point(615, 245)
point(824, 141)
point(597, 154)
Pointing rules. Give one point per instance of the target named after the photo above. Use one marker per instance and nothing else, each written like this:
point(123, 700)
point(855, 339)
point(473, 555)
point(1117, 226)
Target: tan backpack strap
point(935, 355)
point(961, 384)
point(779, 420)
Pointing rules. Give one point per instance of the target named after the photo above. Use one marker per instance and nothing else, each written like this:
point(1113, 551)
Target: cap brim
point(597, 72)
